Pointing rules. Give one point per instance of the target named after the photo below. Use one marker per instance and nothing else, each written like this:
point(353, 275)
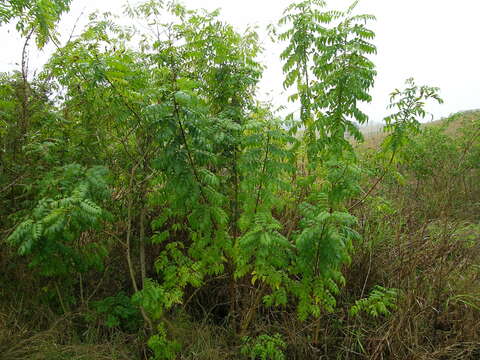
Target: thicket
point(152, 207)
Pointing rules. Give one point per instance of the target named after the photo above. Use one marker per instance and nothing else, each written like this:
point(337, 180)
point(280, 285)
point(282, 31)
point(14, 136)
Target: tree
point(38, 17)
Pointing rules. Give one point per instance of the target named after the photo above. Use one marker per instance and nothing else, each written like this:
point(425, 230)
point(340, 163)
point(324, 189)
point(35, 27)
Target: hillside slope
point(374, 134)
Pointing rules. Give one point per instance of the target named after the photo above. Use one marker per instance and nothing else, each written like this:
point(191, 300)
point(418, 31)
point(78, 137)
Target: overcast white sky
point(435, 41)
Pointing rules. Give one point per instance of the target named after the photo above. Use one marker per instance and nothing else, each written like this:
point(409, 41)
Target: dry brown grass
point(58, 342)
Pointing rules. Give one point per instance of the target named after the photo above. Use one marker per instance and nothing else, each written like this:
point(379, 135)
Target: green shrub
point(263, 347)
point(118, 312)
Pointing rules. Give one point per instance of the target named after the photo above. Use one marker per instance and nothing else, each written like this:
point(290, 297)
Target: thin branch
point(380, 178)
point(75, 25)
point(264, 169)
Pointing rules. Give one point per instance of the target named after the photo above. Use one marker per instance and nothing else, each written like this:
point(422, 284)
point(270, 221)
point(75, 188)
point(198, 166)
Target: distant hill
point(374, 133)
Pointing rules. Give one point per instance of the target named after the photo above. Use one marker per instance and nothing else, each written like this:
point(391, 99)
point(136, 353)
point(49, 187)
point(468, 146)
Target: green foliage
point(323, 247)
point(380, 301)
point(18, 99)
point(424, 153)
point(39, 17)
point(262, 250)
point(207, 79)
point(156, 298)
point(263, 347)
point(409, 105)
point(68, 207)
point(221, 206)
point(118, 312)
point(327, 60)
point(163, 349)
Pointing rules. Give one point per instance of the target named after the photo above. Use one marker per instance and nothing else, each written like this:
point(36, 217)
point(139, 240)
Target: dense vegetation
point(152, 208)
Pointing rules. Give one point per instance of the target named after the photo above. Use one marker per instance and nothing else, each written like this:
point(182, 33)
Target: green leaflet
point(68, 209)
